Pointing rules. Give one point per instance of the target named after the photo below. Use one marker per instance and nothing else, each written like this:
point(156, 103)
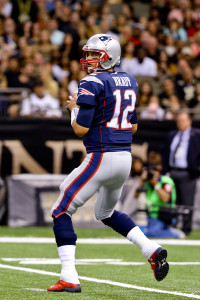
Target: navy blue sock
point(120, 222)
point(64, 231)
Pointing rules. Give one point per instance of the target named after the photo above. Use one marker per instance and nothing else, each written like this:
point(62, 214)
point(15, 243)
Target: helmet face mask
point(94, 63)
point(108, 49)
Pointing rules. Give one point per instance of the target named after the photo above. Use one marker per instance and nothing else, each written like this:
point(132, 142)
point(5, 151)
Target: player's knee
point(101, 215)
point(63, 230)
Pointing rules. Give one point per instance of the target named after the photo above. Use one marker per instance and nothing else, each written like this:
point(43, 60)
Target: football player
point(104, 114)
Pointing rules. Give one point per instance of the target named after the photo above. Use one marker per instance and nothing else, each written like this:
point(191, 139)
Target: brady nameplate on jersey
point(122, 81)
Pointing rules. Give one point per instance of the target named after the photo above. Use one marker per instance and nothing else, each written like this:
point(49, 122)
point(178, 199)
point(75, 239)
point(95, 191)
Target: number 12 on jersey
point(114, 122)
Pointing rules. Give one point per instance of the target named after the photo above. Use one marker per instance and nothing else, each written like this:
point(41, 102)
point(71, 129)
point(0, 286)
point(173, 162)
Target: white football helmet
point(109, 53)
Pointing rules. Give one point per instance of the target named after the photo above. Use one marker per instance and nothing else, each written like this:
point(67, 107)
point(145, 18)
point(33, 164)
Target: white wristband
point(74, 114)
point(157, 187)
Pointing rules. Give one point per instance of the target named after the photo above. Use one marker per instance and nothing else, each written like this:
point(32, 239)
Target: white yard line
point(125, 285)
point(96, 241)
point(35, 290)
point(95, 261)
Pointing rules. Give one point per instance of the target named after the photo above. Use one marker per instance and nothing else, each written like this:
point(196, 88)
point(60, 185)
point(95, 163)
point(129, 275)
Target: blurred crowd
point(41, 45)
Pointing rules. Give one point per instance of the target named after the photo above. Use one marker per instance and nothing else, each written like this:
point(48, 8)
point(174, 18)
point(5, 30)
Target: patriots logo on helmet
point(85, 92)
point(105, 39)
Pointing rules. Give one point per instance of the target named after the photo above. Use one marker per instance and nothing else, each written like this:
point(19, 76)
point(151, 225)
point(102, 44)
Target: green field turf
point(14, 283)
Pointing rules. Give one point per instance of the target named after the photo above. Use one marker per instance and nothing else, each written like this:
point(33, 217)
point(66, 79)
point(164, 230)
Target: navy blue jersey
point(113, 96)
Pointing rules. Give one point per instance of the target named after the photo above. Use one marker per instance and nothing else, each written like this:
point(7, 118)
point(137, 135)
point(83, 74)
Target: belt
point(178, 169)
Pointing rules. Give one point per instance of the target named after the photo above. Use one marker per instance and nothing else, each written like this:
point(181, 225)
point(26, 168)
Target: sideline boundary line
point(125, 285)
point(96, 241)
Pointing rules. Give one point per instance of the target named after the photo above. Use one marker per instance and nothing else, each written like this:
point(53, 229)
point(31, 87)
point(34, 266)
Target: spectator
point(160, 194)
point(10, 33)
point(3, 80)
point(105, 13)
point(4, 59)
point(143, 20)
point(184, 5)
point(51, 85)
point(43, 17)
point(187, 54)
point(26, 32)
point(128, 11)
point(195, 45)
point(5, 8)
point(56, 35)
point(72, 26)
point(23, 11)
point(90, 27)
point(193, 27)
point(40, 104)
point(154, 157)
point(152, 28)
point(12, 72)
point(196, 8)
point(84, 8)
point(176, 30)
point(181, 157)
point(164, 66)
point(196, 70)
point(69, 48)
point(172, 111)
point(128, 54)
point(126, 35)
point(136, 36)
point(27, 54)
point(144, 93)
point(21, 45)
point(26, 76)
point(63, 97)
point(104, 27)
point(142, 65)
point(175, 15)
point(38, 61)
point(35, 34)
point(165, 10)
point(195, 102)
point(60, 68)
point(74, 78)
point(168, 89)
point(121, 22)
point(185, 85)
point(155, 14)
point(170, 47)
point(153, 110)
point(61, 12)
point(151, 46)
point(45, 46)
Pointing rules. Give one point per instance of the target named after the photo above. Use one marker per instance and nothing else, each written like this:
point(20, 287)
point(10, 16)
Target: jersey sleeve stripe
point(93, 79)
point(71, 191)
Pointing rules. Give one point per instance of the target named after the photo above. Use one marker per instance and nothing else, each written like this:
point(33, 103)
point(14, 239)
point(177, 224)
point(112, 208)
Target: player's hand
point(71, 102)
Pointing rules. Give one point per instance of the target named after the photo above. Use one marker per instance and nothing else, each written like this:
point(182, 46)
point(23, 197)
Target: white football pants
point(102, 172)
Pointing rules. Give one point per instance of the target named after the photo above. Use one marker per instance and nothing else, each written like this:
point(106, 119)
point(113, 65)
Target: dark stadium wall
point(41, 146)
